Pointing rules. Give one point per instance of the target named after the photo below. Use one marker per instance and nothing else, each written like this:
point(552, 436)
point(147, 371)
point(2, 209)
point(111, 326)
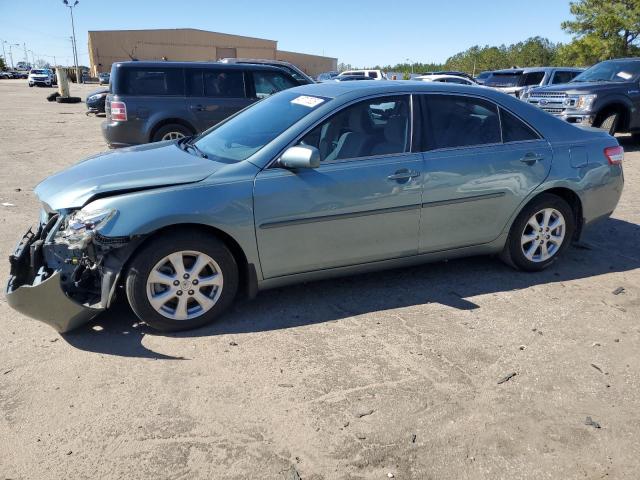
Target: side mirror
point(301, 156)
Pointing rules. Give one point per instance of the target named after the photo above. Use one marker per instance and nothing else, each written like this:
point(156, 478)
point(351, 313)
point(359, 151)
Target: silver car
point(316, 181)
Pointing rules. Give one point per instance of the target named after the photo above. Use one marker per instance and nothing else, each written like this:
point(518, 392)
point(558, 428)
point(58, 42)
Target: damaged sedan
point(313, 182)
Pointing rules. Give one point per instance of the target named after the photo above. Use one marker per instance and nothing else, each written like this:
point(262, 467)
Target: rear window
point(150, 81)
point(504, 79)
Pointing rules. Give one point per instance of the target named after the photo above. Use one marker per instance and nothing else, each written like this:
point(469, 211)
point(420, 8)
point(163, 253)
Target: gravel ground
point(394, 372)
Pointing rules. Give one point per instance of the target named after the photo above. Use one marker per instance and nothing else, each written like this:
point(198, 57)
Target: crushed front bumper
point(61, 287)
point(47, 302)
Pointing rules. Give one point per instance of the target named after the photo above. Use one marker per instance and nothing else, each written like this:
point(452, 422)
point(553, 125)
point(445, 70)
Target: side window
point(268, 83)
point(153, 81)
point(194, 82)
point(374, 127)
point(223, 84)
point(459, 121)
point(373, 74)
point(563, 77)
point(533, 78)
point(514, 129)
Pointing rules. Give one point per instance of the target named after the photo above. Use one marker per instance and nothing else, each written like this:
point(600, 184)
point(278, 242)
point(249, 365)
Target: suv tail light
point(118, 111)
point(614, 155)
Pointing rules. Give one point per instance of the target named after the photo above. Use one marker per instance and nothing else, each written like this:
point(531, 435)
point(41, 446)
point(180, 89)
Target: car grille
point(550, 95)
point(551, 102)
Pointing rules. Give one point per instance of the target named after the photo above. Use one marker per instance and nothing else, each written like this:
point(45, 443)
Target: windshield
point(610, 71)
point(39, 72)
point(253, 128)
point(504, 79)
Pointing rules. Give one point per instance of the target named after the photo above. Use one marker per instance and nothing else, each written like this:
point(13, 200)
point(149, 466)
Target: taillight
point(118, 111)
point(614, 155)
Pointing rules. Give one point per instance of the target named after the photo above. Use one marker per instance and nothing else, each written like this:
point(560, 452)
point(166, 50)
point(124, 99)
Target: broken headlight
point(82, 225)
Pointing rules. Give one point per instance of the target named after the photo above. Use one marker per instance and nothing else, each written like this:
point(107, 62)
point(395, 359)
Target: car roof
point(520, 71)
point(221, 66)
point(443, 75)
point(366, 88)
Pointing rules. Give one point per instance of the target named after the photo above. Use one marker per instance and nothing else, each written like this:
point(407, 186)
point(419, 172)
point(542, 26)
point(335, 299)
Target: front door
point(476, 173)
point(360, 205)
point(214, 95)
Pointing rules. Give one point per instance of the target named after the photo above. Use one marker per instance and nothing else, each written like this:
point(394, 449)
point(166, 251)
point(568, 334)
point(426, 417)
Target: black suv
point(154, 101)
point(606, 96)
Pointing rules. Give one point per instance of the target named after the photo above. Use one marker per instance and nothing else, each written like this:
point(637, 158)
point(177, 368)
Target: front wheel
point(180, 281)
point(610, 123)
point(540, 233)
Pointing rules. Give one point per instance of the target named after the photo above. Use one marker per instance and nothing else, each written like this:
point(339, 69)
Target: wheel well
point(625, 116)
point(245, 271)
point(169, 121)
point(574, 202)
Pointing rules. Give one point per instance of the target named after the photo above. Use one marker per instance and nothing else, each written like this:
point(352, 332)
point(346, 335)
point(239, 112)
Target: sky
point(357, 32)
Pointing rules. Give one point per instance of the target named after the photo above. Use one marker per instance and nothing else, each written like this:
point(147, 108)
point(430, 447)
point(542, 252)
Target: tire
point(516, 249)
point(167, 314)
point(610, 123)
point(171, 130)
point(68, 99)
point(31, 85)
point(52, 96)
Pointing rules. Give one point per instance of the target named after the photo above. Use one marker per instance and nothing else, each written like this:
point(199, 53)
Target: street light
point(409, 61)
point(73, 39)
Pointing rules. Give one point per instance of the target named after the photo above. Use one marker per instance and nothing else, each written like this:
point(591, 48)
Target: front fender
point(226, 206)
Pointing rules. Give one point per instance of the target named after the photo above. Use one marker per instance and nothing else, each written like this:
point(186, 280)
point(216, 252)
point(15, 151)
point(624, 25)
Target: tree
point(607, 28)
point(3, 64)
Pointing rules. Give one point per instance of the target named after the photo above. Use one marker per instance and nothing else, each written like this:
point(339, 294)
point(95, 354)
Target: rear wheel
point(172, 131)
point(540, 233)
point(610, 123)
point(181, 281)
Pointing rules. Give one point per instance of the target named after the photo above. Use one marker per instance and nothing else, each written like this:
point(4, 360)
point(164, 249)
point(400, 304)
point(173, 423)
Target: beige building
point(188, 44)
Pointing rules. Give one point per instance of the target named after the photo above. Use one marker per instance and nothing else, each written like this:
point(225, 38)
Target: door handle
point(198, 108)
point(531, 158)
point(404, 174)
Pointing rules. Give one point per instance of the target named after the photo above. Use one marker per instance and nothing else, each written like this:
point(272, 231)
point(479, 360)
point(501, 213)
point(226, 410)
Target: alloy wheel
point(173, 136)
point(184, 285)
point(543, 235)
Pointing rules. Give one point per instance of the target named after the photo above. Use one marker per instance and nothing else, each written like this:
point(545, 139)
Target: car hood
point(584, 87)
point(129, 169)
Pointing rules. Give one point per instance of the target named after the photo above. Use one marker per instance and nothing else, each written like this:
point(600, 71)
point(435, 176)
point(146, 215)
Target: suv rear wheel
point(172, 131)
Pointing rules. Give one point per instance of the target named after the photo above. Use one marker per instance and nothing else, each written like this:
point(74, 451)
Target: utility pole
point(73, 38)
point(26, 56)
point(11, 53)
point(4, 54)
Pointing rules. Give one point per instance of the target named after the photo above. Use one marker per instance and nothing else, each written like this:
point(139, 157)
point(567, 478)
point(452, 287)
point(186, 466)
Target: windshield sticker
point(307, 101)
point(625, 75)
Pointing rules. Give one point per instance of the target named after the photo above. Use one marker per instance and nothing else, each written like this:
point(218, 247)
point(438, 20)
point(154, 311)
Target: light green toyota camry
point(313, 182)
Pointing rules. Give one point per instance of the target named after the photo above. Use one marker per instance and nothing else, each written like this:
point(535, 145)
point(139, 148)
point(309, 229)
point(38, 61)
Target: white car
point(372, 74)
point(41, 76)
point(447, 79)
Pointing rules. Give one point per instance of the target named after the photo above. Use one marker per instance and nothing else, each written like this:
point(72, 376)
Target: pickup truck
point(606, 96)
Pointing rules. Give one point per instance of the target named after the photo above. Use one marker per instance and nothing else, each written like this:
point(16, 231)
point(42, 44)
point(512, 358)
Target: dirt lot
point(395, 372)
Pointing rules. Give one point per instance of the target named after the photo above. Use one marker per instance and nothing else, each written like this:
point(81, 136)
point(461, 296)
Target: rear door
point(476, 173)
point(214, 95)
